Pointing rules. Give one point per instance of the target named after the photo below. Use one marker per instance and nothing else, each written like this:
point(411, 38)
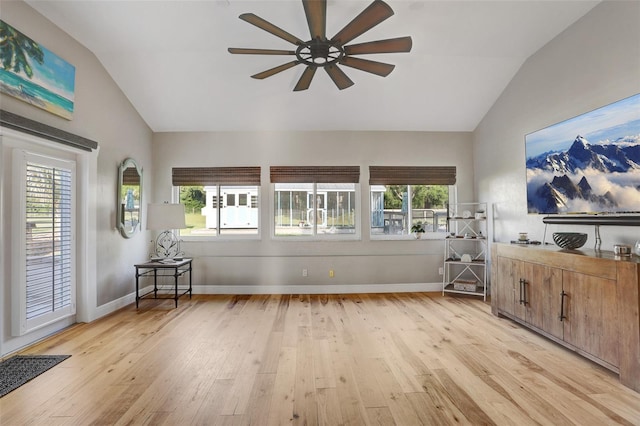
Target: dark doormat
point(19, 369)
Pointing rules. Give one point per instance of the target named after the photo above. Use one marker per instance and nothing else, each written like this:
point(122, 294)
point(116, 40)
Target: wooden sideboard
point(585, 300)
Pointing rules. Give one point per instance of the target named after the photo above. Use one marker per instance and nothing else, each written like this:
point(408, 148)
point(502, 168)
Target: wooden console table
point(585, 300)
point(176, 269)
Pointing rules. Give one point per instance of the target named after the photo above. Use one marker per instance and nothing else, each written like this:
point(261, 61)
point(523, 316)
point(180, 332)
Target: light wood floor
point(404, 359)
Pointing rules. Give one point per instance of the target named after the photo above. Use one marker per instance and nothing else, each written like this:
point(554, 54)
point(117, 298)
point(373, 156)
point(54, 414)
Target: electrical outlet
point(440, 271)
point(305, 272)
point(330, 273)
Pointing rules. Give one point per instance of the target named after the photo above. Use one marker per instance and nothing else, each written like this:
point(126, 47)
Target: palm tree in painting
point(15, 47)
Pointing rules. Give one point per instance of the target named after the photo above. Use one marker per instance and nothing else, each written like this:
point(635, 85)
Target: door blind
point(49, 239)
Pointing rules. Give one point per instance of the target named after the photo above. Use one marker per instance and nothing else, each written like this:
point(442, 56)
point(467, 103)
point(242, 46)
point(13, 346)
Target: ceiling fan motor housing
point(319, 52)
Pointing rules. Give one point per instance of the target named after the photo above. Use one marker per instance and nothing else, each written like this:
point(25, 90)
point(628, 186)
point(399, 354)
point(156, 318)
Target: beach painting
point(34, 74)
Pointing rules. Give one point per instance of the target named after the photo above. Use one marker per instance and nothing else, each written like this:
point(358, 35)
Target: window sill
point(411, 237)
point(316, 238)
point(220, 239)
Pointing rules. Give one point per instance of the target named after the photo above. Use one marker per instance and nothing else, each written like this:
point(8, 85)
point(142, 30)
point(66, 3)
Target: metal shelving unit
point(466, 249)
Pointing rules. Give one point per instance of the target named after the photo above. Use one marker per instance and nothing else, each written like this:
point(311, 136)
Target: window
point(45, 264)
point(405, 196)
point(218, 200)
point(315, 201)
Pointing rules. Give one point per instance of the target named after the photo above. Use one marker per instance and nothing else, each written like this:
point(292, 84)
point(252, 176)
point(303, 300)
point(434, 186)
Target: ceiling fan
point(321, 51)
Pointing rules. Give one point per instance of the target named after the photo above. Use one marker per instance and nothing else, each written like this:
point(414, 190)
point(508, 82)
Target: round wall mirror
point(129, 197)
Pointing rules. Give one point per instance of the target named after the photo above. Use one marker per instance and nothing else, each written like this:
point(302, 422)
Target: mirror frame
point(120, 205)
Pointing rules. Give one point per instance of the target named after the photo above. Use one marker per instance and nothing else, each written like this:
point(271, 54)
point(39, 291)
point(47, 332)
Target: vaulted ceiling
point(170, 59)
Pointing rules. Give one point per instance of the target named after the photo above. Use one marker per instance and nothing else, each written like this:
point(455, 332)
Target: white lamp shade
point(163, 216)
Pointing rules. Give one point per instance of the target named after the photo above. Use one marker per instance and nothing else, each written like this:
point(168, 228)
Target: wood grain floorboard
point(365, 359)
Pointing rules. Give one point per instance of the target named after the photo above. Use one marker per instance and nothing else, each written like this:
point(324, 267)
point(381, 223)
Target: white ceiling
point(170, 59)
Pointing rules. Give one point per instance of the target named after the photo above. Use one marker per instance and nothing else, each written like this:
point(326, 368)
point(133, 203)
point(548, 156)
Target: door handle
point(520, 298)
point(563, 294)
point(523, 291)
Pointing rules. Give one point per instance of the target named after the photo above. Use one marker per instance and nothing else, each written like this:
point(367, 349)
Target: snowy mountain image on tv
point(588, 164)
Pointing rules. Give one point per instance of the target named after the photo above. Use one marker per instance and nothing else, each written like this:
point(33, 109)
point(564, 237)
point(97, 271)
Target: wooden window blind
point(315, 174)
point(190, 176)
point(130, 176)
point(399, 175)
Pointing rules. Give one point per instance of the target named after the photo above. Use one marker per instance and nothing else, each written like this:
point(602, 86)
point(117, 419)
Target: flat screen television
point(589, 164)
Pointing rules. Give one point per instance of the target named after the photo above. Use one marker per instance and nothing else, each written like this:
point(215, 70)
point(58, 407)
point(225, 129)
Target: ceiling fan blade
point(241, 51)
point(276, 70)
point(392, 45)
point(270, 28)
point(338, 76)
point(305, 79)
point(379, 68)
point(375, 13)
point(316, 12)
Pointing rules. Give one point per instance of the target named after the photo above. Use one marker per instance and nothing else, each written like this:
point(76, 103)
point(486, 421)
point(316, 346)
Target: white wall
point(273, 264)
point(103, 114)
point(593, 63)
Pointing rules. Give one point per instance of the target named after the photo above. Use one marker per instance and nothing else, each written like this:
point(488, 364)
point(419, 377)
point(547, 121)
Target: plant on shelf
point(417, 230)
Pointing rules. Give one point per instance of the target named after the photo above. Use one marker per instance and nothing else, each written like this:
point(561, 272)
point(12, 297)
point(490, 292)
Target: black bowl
point(569, 240)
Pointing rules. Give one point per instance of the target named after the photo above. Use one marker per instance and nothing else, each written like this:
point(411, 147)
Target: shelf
point(480, 262)
point(466, 239)
point(449, 289)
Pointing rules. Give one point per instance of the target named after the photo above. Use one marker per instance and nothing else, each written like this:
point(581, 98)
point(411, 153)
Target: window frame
point(411, 176)
point(222, 236)
point(317, 175)
point(315, 236)
point(228, 176)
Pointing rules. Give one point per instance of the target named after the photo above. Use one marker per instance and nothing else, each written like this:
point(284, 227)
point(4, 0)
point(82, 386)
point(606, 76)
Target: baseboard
point(318, 289)
point(114, 305)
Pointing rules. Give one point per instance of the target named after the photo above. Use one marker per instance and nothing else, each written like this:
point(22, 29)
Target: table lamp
point(166, 217)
